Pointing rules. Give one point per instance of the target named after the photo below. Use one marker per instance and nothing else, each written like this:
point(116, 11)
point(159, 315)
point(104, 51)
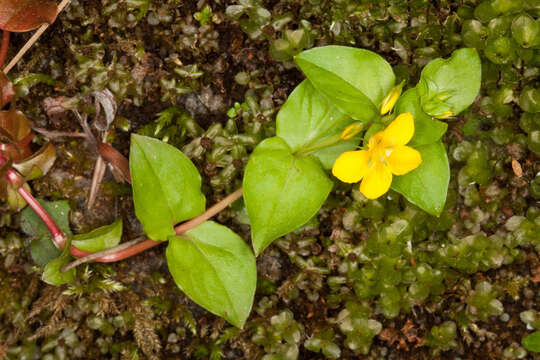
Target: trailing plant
point(349, 100)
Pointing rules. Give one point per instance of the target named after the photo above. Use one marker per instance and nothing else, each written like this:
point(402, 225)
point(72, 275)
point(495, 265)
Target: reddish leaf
point(116, 159)
point(19, 150)
point(38, 164)
point(3, 183)
point(26, 15)
point(14, 124)
point(57, 107)
point(16, 133)
point(7, 91)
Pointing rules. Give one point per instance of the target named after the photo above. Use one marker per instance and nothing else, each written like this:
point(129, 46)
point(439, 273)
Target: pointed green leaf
point(166, 186)
point(281, 191)
point(308, 118)
point(99, 239)
point(52, 274)
point(355, 80)
point(216, 269)
point(427, 130)
point(427, 185)
point(454, 81)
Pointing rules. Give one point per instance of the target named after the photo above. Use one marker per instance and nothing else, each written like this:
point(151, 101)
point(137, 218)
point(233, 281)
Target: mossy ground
point(365, 279)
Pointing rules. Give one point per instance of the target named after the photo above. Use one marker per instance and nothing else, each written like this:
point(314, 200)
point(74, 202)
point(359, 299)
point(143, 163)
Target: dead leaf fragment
point(516, 167)
point(7, 91)
point(26, 15)
point(116, 159)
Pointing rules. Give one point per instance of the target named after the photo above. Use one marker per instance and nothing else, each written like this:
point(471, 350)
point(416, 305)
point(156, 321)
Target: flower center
point(378, 152)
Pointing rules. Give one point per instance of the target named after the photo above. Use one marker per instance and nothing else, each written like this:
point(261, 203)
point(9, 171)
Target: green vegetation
point(362, 278)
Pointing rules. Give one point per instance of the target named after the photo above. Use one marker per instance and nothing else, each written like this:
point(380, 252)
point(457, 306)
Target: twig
point(33, 39)
point(103, 256)
point(126, 250)
point(56, 134)
point(4, 48)
point(97, 178)
point(211, 212)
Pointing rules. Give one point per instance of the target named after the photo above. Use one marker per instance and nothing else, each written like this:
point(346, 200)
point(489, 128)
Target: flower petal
point(400, 131)
point(377, 181)
point(403, 159)
point(351, 166)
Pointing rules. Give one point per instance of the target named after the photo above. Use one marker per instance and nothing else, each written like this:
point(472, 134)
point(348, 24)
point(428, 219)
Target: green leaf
point(531, 342)
point(52, 274)
point(99, 239)
point(526, 31)
point(529, 100)
point(474, 34)
point(216, 269)
point(166, 186)
point(308, 118)
point(355, 80)
point(42, 248)
point(281, 191)
point(32, 225)
point(454, 81)
point(427, 185)
point(426, 129)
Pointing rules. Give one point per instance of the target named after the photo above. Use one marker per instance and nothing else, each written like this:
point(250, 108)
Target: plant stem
point(18, 181)
point(4, 48)
point(134, 247)
point(332, 140)
point(117, 253)
point(33, 39)
point(57, 235)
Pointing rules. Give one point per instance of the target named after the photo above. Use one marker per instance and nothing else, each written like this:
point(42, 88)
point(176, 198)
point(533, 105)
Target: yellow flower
point(387, 154)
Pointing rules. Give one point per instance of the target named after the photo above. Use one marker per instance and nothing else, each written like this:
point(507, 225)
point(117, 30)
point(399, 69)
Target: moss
point(209, 77)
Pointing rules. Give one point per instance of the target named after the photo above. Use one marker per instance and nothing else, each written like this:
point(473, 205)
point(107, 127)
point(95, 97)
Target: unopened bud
point(445, 115)
point(351, 130)
point(391, 99)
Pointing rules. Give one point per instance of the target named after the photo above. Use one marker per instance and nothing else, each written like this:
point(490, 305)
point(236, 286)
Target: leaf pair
point(43, 250)
point(452, 84)
point(285, 183)
point(356, 81)
point(96, 240)
point(209, 263)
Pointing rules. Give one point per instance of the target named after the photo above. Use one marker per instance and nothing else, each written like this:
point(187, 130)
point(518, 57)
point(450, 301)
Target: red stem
point(18, 181)
point(4, 48)
point(57, 235)
point(117, 253)
point(126, 250)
